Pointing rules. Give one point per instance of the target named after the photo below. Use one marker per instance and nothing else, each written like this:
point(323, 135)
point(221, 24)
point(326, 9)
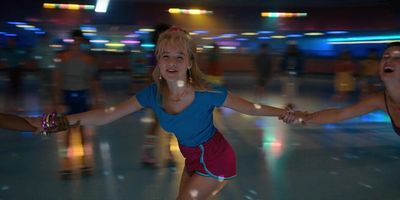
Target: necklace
point(179, 97)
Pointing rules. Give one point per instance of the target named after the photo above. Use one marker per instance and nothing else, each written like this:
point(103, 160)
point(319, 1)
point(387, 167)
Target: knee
point(190, 195)
point(196, 195)
point(186, 196)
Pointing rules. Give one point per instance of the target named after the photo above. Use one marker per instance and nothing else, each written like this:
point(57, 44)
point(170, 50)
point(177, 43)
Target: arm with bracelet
point(49, 123)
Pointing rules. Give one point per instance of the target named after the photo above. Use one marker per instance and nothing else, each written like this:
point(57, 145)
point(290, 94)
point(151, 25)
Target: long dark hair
point(392, 44)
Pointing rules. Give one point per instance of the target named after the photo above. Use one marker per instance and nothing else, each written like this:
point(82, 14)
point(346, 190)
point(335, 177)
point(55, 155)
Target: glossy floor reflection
point(356, 159)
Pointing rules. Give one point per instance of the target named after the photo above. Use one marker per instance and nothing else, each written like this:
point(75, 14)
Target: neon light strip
point(68, 40)
point(249, 33)
point(68, 6)
point(278, 36)
point(367, 38)
point(17, 23)
point(99, 41)
point(147, 45)
point(25, 26)
point(130, 41)
point(146, 30)
point(337, 32)
point(282, 14)
point(114, 45)
point(366, 42)
point(227, 47)
point(313, 33)
point(189, 11)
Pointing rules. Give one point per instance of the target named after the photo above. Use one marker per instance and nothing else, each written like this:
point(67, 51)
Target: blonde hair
point(180, 38)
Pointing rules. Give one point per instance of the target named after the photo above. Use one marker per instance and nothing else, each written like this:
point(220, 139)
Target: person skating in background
point(369, 78)
point(214, 71)
point(44, 56)
point(263, 71)
point(77, 89)
point(292, 66)
point(344, 76)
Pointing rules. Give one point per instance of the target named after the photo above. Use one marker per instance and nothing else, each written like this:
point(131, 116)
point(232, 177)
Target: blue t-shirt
point(193, 125)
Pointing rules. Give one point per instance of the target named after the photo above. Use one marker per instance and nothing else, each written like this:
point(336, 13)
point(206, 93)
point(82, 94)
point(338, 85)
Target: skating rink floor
point(357, 159)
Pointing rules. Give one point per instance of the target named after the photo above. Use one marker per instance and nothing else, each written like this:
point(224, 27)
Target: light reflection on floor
point(355, 159)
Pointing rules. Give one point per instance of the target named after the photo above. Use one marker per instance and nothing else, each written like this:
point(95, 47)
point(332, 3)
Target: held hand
point(294, 117)
point(288, 116)
point(52, 123)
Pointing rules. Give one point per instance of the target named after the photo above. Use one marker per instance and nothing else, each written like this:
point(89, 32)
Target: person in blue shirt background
point(184, 106)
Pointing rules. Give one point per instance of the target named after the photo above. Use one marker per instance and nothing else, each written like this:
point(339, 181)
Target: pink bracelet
point(49, 121)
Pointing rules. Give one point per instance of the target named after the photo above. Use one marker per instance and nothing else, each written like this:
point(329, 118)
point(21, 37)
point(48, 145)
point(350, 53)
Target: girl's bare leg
point(184, 181)
point(199, 187)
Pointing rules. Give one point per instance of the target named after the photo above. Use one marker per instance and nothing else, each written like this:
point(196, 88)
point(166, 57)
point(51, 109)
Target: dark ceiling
point(274, 3)
point(228, 14)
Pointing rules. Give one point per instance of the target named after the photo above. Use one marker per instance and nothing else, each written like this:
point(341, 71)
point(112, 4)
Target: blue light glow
point(294, 35)
point(32, 29)
point(200, 31)
point(228, 35)
point(242, 39)
point(265, 32)
point(141, 32)
point(147, 45)
point(337, 32)
point(17, 23)
point(366, 38)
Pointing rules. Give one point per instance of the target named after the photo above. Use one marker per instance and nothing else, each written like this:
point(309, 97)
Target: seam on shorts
point(209, 173)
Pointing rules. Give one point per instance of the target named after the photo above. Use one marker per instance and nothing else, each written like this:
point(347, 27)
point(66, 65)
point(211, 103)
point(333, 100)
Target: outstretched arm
point(106, 115)
point(339, 114)
point(15, 123)
point(241, 105)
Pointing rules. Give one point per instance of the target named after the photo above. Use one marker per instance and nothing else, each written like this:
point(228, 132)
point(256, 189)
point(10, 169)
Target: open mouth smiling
point(172, 70)
point(388, 69)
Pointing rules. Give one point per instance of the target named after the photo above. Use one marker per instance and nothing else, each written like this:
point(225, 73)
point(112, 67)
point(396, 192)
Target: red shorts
point(214, 158)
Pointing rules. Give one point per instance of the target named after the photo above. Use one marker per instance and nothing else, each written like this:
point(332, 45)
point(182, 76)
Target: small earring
point(160, 77)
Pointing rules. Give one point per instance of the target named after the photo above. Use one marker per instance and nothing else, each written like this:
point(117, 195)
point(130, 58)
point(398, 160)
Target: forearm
point(325, 117)
point(103, 116)
point(263, 110)
point(95, 117)
point(269, 111)
point(246, 107)
point(15, 123)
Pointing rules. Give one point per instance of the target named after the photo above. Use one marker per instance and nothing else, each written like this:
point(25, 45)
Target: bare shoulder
point(377, 100)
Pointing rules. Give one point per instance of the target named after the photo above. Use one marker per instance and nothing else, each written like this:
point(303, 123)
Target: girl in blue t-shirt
point(184, 105)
